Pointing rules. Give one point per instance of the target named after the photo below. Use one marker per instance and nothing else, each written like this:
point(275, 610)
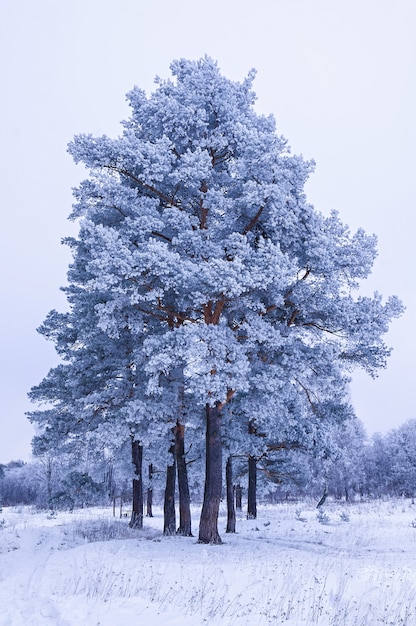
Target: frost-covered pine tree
point(199, 232)
point(96, 393)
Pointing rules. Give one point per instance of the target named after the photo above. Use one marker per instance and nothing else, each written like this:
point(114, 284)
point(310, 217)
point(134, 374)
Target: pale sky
point(339, 77)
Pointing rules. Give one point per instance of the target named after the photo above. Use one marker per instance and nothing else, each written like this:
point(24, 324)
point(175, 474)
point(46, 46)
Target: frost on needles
point(205, 291)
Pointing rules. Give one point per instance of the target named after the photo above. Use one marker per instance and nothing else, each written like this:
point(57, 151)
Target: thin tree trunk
point(136, 520)
point(109, 477)
point(230, 496)
point(238, 497)
point(169, 524)
point(252, 488)
point(183, 485)
point(208, 525)
point(324, 495)
point(149, 502)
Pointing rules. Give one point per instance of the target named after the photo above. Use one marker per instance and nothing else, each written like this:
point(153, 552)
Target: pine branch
point(161, 235)
point(230, 394)
point(169, 200)
point(255, 219)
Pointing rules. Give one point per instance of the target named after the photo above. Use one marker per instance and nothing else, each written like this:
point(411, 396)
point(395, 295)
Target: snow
point(355, 566)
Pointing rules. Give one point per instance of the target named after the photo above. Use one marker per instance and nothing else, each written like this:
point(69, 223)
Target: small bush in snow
point(298, 516)
point(322, 517)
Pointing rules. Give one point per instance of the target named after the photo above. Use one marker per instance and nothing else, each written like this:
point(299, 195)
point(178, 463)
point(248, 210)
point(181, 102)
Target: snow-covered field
point(355, 566)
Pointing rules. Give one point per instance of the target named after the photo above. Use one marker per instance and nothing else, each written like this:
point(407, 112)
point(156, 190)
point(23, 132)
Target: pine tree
point(211, 260)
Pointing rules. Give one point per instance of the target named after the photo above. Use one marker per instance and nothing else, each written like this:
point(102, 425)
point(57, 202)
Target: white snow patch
point(285, 567)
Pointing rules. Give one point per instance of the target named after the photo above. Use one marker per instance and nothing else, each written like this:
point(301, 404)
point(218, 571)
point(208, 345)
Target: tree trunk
point(136, 520)
point(238, 497)
point(324, 495)
point(252, 488)
point(208, 525)
point(149, 502)
point(109, 480)
point(347, 494)
point(230, 496)
point(183, 485)
point(169, 524)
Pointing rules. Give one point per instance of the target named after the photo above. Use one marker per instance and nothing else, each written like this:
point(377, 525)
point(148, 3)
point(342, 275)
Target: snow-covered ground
point(355, 566)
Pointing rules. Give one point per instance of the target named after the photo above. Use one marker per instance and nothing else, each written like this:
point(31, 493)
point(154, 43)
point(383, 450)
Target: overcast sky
point(338, 76)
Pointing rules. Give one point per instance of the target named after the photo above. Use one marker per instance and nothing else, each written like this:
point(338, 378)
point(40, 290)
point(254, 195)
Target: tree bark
point(231, 517)
point(136, 520)
point(149, 502)
point(238, 497)
point(252, 488)
point(185, 522)
point(169, 523)
point(208, 525)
